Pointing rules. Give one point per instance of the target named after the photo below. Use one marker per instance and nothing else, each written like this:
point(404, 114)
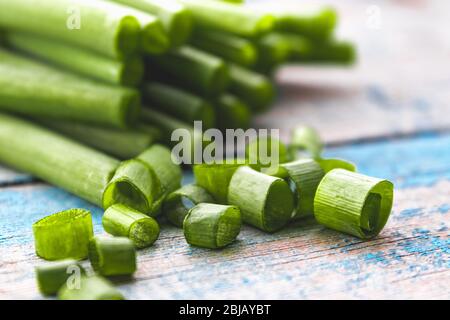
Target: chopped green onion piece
point(177, 20)
point(51, 277)
point(307, 139)
point(229, 17)
point(232, 112)
point(128, 72)
point(179, 103)
point(255, 89)
point(153, 38)
point(90, 288)
point(261, 151)
point(304, 175)
point(112, 256)
point(134, 184)
point(124, 144)
point(120, 220)
point(353, 203)
point(35, 89)
point(331, 52)
point(107, 28)
point(63, 235)
point(266, 202)
point(178, 203)
point(273, 51)
point(330, 164)
point(216, 177)
point(189, 68)
point(55, 158)
point(227, 46)
point(212, 225)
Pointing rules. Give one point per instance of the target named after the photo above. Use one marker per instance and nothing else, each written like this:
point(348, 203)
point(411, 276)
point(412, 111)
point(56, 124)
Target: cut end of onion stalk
point(120, 220)
point(127, 37)
point(178, 203)
point(266, 202)
point(180, 28)
point(63, 235)
point(51, 277)
point(353, 203)
point(211, 225)
point(154, 39)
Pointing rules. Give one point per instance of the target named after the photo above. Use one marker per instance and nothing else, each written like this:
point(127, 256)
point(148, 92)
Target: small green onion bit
point(122, 221)
point(90, 288)
point(266, 152)
point(51, 277)
point(115, 256)
point(305, 139)
point(63, 235)
point(330, 164)
point(211, 225)
point(353, 203)
point(178, 203)
point(304, 176)
point(266, 202)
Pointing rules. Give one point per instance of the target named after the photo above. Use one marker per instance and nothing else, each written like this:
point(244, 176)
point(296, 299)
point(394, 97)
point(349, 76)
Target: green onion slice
point(112, 256)
point(303, 176)
point(178, 203)
point(353, 203)
point(305, 139)
point(266, 202)
point(51, 277)
point(260, 152)
point(63, 235)
point(123, 221)
point(330, 164)
point(90, 288)
point(211, 225)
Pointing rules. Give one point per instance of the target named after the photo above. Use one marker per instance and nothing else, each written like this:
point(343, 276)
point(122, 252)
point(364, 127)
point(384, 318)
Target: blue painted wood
point(410, 259)
point(10, 177)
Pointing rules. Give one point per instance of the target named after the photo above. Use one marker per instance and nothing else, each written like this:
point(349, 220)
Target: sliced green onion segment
point(353, 203)
point(266, 152)
point(330, 164)
point(122, 221)
point(307, 139)
point(90, 288)
point(63, 235)
point(51, 277)
point(178, 203)
point(112, 256)
point(266, 202)
point(211, 225)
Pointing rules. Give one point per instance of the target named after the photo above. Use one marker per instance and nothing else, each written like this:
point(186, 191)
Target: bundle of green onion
point(72, 90)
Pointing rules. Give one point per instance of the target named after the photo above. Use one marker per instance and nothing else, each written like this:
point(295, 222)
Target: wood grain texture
point(410, 259)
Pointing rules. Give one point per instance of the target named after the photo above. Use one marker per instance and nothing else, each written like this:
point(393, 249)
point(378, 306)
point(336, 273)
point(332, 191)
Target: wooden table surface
point(390, 115)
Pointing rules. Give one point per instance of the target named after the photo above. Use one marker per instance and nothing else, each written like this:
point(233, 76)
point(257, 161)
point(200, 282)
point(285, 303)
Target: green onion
point(176, 19)
point(232, 112)
point(216, 177)
point(63, 235)
point(112, 256)
point(330, 164)
point(144, 182)
point(153, 38)
point(30, 88)
point(91, 288)
point(229, 17)
point(353, 203)
point(55, 159)
point(51, 277)
point(259, 151)
point(124, 144)
point(178, 103)
point(253, 88)
point(127, 72)
point(317, 24)
point(273, 51)
point(304, 176)
point(120, 220)
point(177, 204)
point(266, 202)
point(305, 139)
point(192, 69)
point(165, 123)
point(227, 46)
point(332, 52)
point(104, 27)
point(211, 225)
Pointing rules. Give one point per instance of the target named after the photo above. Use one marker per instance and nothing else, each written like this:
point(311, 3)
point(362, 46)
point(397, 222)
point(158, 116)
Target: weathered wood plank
point(410, 259)
point(10, 177)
